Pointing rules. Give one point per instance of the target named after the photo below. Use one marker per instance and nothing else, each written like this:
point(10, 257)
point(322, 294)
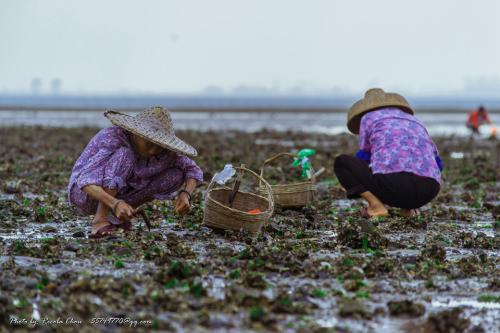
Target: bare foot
point(374, 211)
point(98, 223)
point(409, 212)
point(375, 207)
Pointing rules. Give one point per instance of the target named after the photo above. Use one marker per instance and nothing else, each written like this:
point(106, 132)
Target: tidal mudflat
point(321, 268)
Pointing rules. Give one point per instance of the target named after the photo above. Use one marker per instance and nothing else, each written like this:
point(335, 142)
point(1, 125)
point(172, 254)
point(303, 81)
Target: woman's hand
point(124, 211)
point(182, 205)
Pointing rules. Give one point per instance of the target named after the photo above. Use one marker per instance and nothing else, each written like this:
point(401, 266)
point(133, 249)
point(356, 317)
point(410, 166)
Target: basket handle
point(236, 187)
point(261, 180)
point(281, 155)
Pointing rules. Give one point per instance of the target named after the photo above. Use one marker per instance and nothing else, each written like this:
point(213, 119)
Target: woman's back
point(398, 142)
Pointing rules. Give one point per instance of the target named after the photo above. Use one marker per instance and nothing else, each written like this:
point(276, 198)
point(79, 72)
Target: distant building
point(213, 90)
point(55, 86)
point(36, 86)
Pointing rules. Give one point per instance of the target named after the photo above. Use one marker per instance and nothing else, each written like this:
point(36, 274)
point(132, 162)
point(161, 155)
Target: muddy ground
point(322, 268)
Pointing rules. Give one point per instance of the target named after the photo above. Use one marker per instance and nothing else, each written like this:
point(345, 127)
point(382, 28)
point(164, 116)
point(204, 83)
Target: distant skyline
point(317, 47)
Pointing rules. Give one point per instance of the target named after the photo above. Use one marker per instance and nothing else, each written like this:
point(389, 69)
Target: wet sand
point(321, 268)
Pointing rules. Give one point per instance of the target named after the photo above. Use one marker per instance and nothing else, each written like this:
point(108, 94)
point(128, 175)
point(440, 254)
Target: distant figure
point(397, 164)
point(477, 118)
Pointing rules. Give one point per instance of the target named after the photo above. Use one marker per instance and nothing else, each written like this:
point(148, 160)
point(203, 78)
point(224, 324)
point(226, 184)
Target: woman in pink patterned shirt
point(397, 164)
point(123, 166)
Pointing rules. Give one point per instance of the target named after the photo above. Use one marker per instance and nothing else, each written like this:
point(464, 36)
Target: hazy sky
point(422, 47)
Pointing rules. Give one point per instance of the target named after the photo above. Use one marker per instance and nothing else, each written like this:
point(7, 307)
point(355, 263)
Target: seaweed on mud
point(178, 269)
point(361, 234)
point(435, 251)
point(479, 241)
point(255, 280)
point(4, 310)
point(353, 308)
point(471, 266)
point(494, 208)
point(406, 308)
point(320, 268)
point(447, 321)
point(495, 284)
point(419, 222)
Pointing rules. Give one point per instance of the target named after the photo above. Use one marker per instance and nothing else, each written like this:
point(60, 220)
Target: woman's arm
point(439, 162)
point(189, 169)
point(191, 185)
point(192, 175)
point(98, 193)
point(364, 152)
point(122, 210)
point(364, 133)
point(182, 203)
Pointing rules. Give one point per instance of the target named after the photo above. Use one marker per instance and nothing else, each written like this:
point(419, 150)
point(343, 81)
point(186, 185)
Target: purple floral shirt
point(109, 160)
point(397, 142)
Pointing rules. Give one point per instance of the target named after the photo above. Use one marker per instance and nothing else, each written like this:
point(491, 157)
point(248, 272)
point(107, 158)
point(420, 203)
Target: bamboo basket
point(291, 195)
point(218, 213)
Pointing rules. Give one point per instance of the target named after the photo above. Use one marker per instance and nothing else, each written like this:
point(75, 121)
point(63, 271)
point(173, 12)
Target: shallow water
point(327, 123)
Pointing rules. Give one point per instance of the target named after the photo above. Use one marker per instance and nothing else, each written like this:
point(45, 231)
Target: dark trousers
point(400, 189)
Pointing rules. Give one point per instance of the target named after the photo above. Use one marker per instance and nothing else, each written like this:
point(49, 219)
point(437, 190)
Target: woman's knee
point(83, 203)
point(428, 194)
point(341, 161)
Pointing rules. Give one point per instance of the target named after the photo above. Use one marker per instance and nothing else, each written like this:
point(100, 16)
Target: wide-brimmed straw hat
point(374, 99)
point(155, 125)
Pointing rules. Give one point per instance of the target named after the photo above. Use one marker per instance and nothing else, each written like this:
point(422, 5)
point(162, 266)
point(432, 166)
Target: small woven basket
point(291, 195)
point(219, 214)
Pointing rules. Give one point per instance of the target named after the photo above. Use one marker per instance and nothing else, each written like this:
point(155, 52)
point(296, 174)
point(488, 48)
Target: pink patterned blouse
point(397, 142)
point(110, 161)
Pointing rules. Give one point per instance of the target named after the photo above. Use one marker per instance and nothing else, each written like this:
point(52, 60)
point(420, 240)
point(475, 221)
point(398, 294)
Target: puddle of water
point(324, 255)
point(215, 286)
point(327, 322)
point(79, 265)
point(406, 255)
point(456, 253)
point(342, 203)
point(30, 231)
point(452, 303)
point(417, 237)
point(457, 155)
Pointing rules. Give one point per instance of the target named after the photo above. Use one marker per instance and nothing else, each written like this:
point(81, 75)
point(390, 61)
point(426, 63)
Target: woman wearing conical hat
point(397, 163)
point(135, 161)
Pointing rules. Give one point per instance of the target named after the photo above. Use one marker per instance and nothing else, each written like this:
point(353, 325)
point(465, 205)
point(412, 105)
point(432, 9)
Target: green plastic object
point(303, 161)
point(306, 153)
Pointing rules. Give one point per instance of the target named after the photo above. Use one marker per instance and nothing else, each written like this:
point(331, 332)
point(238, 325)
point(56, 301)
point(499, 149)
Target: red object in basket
point(254, 211)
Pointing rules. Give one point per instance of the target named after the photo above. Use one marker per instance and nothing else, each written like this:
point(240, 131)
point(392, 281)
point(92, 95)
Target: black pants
point(400, 189)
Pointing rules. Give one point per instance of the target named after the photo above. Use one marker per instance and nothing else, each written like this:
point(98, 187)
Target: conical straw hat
point(155, 125)
point(374, 99)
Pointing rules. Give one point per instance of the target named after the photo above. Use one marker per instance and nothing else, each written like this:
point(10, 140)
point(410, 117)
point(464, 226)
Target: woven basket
point(218, 214)
point(291, 195)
